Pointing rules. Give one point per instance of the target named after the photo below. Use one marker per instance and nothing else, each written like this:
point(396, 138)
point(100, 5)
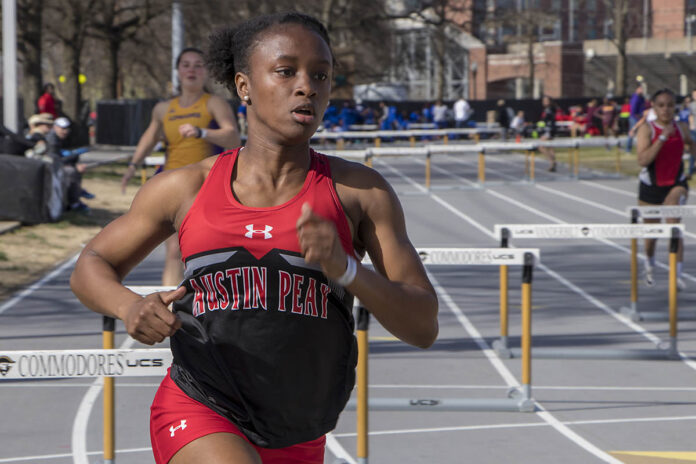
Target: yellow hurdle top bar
point(662, 212)
point(571, 231)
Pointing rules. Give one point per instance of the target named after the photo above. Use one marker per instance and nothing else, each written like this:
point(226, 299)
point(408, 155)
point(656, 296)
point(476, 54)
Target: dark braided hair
point(230, 47)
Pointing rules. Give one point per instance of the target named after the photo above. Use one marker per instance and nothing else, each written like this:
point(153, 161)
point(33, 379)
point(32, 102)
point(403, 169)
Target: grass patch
point(3, 256)
point(33, 236)
point(15, 268)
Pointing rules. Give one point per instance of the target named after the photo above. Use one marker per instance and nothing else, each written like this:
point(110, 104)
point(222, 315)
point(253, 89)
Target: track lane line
point(465, 428)
point(37, 285)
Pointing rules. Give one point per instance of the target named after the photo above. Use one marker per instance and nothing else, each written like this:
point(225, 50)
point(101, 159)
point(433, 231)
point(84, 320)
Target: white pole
point(177, 40)
point(9, 64)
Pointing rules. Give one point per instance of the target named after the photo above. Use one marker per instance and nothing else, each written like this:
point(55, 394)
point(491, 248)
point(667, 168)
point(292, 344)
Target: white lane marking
point(536, 387)
point(465, 428)
point(337, 450)
point(611, 189)
point(512, 381)
point(67, 455)
point(37, 285)
point(79, 430)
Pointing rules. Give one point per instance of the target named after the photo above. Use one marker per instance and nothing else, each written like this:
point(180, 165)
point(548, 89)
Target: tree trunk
point(112, 86)
point(30, 35)
point(31, 85)
point(620, 10)
point(326, 14)
point(530, 63)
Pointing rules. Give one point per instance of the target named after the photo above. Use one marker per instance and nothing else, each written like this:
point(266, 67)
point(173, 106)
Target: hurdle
point(397, 152)
point(428, 151)
point(597, 231)
point(152, 160)
point(518, 400)
point(378, 136)
point(651, 212)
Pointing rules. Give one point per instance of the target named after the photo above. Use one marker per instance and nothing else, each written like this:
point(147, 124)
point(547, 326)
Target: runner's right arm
point(122, 244)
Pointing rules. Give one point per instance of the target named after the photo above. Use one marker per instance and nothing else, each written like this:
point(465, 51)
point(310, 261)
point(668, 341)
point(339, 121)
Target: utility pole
point(177, 40)
point(9, 64)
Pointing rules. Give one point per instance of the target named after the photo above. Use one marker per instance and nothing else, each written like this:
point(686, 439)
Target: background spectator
point(637, 109)
point(47, 101)
point(518, 125)
point(66, 162)
point(39, 127)
point(504, 117)
point(440, 114)
point(462, 112)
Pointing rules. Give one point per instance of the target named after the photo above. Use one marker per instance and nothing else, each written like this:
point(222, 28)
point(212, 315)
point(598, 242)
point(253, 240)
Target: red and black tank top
point(267, 341)
point(667, 168)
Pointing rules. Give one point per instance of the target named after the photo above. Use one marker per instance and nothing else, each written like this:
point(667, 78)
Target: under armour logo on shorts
point(181, 426)
point(266, 231)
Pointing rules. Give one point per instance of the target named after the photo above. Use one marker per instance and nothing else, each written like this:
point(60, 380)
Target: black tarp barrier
point(30, 190)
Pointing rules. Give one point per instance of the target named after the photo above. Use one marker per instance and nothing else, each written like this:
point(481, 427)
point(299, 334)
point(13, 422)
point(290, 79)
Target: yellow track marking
point(658, 457)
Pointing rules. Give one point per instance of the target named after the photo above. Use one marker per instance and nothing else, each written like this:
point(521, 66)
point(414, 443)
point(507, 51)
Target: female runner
point(660, 145)
point(185, 123)
point(271, 234)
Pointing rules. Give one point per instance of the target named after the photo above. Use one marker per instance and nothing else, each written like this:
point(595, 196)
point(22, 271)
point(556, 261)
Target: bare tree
point(69, 25)
point(29, 46)
point(619, 15)
point(117, 22)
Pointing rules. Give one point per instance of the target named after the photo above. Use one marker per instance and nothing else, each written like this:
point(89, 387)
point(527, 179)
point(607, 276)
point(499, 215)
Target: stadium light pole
point(9, 64)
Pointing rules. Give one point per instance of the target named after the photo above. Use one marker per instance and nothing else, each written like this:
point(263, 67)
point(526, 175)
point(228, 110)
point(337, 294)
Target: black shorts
point(655, 194)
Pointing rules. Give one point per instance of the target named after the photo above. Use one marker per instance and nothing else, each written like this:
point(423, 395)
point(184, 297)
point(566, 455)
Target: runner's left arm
point(398, 293)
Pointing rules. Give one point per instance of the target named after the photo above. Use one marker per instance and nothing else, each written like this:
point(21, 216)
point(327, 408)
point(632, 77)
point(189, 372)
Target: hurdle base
point(588, 353)
point(501, 348)
point(655, 316)
point(515, 404)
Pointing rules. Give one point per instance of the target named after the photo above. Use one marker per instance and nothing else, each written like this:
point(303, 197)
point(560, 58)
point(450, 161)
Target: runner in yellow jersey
point(185, 123)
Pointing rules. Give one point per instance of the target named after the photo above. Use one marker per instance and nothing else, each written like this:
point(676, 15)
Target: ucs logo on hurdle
point(5, 365)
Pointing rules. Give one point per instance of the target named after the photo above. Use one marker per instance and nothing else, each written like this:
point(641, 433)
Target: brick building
point(572, 50)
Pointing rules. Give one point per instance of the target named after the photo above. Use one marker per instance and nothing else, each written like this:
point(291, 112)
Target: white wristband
point(204, 133)
point(349, 276)
point(662, 137)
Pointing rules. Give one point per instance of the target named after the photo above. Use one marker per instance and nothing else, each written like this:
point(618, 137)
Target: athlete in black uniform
point(272, 236)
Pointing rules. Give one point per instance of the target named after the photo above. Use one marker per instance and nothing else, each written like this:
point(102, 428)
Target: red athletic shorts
point(176, 420)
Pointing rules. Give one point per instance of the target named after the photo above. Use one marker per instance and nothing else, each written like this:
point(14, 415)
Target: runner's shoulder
point(354, 174)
